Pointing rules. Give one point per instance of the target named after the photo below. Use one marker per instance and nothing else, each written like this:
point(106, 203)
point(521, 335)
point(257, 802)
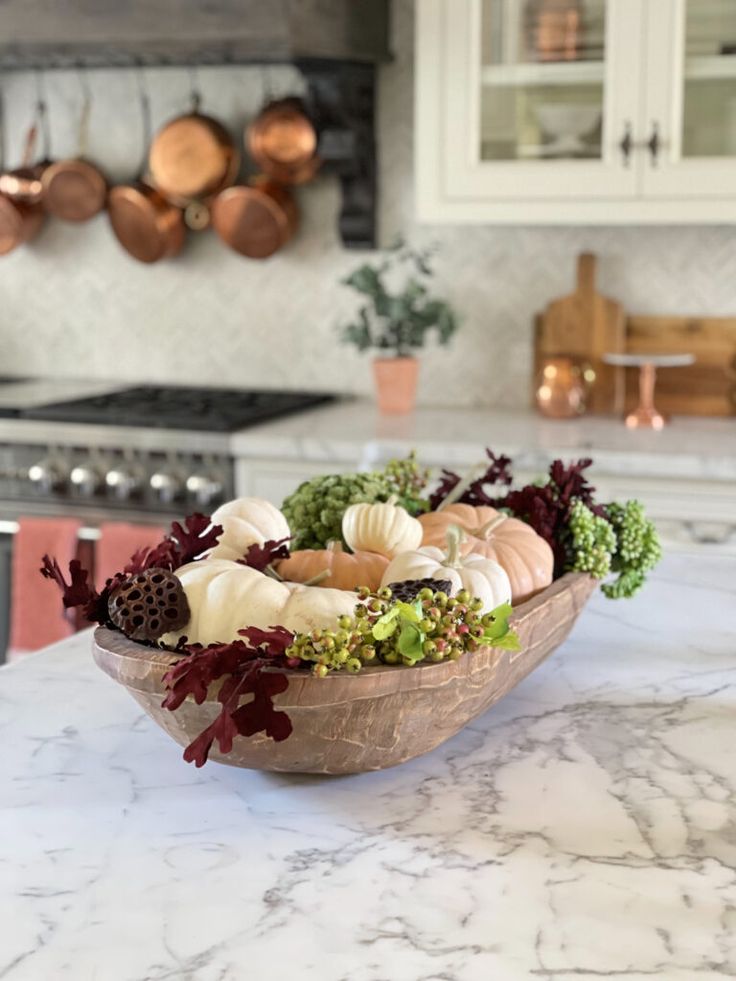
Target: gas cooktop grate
point(170, 407)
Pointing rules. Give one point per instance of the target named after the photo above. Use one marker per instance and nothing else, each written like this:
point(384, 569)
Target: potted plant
point(394, 319)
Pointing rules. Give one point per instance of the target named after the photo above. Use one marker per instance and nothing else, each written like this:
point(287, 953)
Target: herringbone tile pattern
point(74, 304)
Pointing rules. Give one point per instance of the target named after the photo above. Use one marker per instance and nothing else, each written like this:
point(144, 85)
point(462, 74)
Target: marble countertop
point(582, 828)
point(354, 432)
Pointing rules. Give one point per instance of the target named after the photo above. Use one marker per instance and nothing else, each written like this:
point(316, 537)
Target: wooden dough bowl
point(352, 723)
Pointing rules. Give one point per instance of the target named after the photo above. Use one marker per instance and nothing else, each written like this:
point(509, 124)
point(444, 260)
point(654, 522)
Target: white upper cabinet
point(576, 111)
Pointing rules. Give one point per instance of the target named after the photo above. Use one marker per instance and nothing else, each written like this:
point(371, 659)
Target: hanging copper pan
point(192, 158)
point(75, 189)
point(255, 220)
point(147, 226)
point(21, 213)
point(144, 222)
point(283, 142)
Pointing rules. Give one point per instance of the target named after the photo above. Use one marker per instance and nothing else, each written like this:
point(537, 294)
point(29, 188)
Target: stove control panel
point(141, 481)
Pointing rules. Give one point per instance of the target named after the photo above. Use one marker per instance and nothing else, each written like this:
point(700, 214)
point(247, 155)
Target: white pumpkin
point(247, 521)
point(387, 529)
point(226, 596)
point(481, 577)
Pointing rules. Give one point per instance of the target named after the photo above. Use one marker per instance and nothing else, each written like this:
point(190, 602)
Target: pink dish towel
point(117, 545)
point(36, 614)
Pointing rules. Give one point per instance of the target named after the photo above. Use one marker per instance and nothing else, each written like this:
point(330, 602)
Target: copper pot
point(283, 142)
point(255, 220)
point(192, 158)
point(75, 189)
point(21, 213)
point(144, 222)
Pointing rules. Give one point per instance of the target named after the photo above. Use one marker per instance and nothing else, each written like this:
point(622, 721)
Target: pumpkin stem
point(393, 499)
point(489, 526)
point(271, 571)
point(455, 538)
point(334, 547)
point(316, 580)
point(459, 489)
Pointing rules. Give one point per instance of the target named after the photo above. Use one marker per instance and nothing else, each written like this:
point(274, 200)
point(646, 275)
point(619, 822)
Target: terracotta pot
point(396, 383)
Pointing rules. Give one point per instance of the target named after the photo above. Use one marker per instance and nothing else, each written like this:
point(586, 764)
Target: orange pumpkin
point(346, 570)
point(518, 549)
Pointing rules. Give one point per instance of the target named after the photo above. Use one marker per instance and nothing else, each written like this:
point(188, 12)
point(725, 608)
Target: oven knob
point(122, 483)
point(203, 489)
point(85, 480)
point(46, 475)
point(165, 485)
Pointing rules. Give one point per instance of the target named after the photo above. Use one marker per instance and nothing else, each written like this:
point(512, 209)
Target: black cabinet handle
point(653, 144)
point(626, 144)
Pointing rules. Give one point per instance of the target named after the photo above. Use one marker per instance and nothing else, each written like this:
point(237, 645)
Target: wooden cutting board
point(586, 325)
point(708, 387)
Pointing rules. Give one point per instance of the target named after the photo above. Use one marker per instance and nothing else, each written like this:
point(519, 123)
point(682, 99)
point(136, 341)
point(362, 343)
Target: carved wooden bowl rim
point(141, 668)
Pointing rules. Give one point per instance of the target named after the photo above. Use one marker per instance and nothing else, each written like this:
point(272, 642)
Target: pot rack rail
point(335, 44)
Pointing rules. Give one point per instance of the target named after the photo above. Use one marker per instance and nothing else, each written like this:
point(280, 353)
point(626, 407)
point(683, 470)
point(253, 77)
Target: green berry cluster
point(625, 543)
point(637, 548)
point(592, 541)
point(315, 509)
point(434, 627)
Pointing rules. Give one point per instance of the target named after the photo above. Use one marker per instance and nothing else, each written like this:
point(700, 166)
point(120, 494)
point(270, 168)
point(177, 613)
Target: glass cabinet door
point(709, 79)
point(690, 131)
point(540, 95)
point(542, 79)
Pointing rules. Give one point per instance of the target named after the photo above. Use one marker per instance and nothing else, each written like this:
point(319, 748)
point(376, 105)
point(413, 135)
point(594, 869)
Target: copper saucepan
point(144, 222)
point(283, 142)
point(255, 220)
point(147, 226)
point(192, 158)
point(21, 213)
point(75, 189)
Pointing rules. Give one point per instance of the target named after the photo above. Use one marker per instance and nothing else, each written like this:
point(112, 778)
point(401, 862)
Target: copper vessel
point(255, 220)
point(75, 189)
point(21, 213)
point(147, 226)
point(144, 222)
point(561, 388)
point(192, 158)
point(283, 142)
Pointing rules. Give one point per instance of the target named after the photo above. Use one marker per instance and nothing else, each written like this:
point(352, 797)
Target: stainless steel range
point(144, 454)
point(139, 452)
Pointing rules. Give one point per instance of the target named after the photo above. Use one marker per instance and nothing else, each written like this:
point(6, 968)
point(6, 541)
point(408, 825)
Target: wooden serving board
point(707, 388)
point(587, 325)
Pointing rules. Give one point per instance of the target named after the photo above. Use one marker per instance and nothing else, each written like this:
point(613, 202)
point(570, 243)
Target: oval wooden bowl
point(352, 723)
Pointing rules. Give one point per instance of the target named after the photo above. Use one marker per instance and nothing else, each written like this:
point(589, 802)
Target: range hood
point(98, 33)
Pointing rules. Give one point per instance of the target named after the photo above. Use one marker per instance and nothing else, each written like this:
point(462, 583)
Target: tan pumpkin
point(345, 570)
point(384, 528)
point(515, 545)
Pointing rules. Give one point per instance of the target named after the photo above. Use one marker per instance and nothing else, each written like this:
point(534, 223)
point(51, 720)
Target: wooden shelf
point(544, 73)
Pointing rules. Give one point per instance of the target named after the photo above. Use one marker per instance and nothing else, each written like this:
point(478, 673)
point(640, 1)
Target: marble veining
point(583, 828)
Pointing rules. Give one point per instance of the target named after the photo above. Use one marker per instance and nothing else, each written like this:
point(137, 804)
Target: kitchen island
point(583, 827)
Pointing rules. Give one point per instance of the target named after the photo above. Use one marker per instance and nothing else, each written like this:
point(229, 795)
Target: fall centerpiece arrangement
point(364, 622)
point(395, 316)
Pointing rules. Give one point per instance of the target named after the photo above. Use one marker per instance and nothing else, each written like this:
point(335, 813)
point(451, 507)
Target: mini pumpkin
point(225, 596)
point(480, 576)
point(345, 570)
point(515, 545)
point(247, 521)
point(384, 528)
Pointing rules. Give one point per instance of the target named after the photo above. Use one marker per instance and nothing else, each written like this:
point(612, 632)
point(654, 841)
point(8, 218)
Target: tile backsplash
point(73, 304)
